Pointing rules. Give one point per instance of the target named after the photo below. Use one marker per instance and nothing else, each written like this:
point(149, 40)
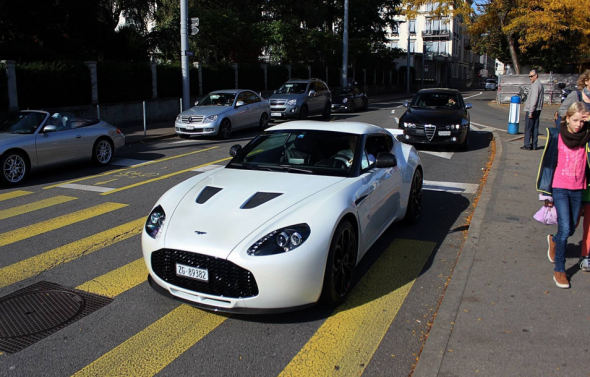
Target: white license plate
point(190, 127)
point(276, 115)
point(192, 272)
point(444, 133)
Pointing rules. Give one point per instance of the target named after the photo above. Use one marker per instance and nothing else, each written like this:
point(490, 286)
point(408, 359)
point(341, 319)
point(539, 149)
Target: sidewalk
point(502, 314)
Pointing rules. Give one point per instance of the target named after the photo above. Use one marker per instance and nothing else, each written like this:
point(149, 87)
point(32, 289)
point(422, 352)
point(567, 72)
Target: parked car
point(436, 116)
point(31, 140)
point(349, 98)
point(300, 98)
point(285, 223)
point(490, 84)
point(223, 111)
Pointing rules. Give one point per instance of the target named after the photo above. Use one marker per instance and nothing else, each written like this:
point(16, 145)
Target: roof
point(438, 90)
point(358, 128)
point(229, 90)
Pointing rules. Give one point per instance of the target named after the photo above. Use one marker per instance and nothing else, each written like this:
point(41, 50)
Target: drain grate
point(35, 312)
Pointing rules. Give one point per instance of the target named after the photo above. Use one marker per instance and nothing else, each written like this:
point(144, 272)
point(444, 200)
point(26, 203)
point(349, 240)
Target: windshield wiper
point(290, 168)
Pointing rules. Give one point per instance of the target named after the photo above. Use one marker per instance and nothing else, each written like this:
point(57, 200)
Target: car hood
point(242, 201)
point(206, 110)
point(338, 99)
point(432, 116)
point(286, 96)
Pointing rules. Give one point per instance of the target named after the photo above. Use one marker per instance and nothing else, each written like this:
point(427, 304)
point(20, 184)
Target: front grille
point(277, 102)
point(188, 119)
point(277, 109)
point(430, 130)
point(225, 278)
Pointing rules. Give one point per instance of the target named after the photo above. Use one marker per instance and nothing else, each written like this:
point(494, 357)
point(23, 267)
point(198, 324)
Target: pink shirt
point(571, 167)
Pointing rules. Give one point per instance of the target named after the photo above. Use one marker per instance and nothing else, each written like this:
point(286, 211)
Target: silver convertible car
point(30, 140)
point(223, 111)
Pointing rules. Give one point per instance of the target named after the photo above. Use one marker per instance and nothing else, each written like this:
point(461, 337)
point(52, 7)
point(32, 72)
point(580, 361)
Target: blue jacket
point(549, 163)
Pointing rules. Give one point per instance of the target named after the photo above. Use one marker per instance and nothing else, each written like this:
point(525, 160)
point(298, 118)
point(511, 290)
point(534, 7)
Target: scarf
point(574, 140)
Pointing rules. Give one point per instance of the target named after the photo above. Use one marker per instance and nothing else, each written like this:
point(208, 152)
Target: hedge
point(277, 76)
point(251, 77)
point(52, 84)
point(218, 76)
point(123, 81)
point(3, 87)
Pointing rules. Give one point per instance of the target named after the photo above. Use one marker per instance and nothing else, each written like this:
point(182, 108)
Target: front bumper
point(285, 112)
point(342, 107)
point(440, 137)
point(196, 128)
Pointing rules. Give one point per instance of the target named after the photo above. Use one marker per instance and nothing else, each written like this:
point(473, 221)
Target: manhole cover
point(34, 312)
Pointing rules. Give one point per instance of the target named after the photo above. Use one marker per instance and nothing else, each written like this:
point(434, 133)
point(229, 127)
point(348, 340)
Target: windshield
point(218, 99)
point(21, 122)
point(343, 91)
point(436, 101)
point(293, 88)
point(300, 152)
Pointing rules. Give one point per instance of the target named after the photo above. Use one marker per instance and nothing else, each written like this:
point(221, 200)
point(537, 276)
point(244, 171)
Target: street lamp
point(345, 46)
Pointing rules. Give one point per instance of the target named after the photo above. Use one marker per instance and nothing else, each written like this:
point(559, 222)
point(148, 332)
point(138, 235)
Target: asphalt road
point(78, 227)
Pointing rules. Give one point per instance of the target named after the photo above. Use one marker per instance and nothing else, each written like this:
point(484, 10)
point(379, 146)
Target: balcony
point(438, 34)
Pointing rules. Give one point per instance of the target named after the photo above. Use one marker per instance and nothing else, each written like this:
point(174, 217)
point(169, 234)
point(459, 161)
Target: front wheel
point(340, 265)
point(415, 199)
point(263, 123)
point(303, 113)
point(14, 168)
point(327, 112)
point(464, 146)
point(224, 130)
point(102, 153)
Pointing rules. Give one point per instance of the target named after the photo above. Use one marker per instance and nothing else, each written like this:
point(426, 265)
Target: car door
point(242, 116)
point(314, 102)
point(256, 107)
point(61, 145)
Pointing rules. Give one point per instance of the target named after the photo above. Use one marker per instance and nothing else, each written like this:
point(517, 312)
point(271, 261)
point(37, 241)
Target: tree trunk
point(513, 53)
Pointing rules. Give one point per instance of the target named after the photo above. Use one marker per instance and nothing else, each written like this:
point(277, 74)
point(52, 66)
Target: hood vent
point(260, 198)
point(207, 194)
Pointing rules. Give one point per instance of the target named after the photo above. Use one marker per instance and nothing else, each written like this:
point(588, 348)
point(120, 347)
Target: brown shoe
point(561, 280)
point(551, 249)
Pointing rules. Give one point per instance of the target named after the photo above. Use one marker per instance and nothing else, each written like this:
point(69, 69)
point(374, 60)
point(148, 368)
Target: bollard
point(514, 115)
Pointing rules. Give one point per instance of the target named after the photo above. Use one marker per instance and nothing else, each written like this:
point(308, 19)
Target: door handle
point(78, 136)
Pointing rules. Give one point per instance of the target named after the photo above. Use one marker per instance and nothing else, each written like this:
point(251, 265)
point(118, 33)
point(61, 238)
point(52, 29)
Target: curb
point(141, 139)
point(432, 355)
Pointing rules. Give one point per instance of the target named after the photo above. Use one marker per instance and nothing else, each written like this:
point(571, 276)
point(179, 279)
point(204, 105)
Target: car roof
point(303, 80)
point(439, 90)
point(230, 91)
point(358, 128)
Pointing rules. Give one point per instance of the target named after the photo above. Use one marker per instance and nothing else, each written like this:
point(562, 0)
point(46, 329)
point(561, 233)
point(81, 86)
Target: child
point(562, 173)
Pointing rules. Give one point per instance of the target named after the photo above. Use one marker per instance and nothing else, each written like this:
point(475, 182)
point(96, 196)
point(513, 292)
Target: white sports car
point(285, 223)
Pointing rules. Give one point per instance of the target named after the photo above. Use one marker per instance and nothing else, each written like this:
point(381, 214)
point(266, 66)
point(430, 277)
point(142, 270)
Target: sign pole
point(183, 54)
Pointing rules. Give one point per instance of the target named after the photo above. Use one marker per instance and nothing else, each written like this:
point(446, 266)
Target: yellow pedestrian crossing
point(13, 236)
point(14, 194)
point(117, 281)
point(30, 207)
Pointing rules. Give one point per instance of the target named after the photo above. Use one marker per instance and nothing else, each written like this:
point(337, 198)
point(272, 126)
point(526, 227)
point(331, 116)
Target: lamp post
point(408, 60)
point(345, 46)
point(183, 54)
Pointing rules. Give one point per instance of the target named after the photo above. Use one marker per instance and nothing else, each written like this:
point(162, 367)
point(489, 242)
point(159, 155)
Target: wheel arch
point(21, 151)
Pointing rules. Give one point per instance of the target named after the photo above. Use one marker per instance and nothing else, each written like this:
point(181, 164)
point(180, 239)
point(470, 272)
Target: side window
point(312, 86)
point(253, 98)
point(321, 86)
point(243, 97)
point(377, 144)
point(356, 91)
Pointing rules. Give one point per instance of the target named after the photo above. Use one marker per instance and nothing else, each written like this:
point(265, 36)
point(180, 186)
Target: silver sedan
point(30, 140)
point(223, 111)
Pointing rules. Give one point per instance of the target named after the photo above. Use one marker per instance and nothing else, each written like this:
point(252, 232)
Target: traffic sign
point(194, 30)
point(194, 21)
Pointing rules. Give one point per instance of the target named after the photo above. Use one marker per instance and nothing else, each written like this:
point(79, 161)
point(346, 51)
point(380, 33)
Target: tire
point(340, 265)
point(263, 123)
point(14, 168)
point(224, 129)
point(303, 113)
point(327, 111)
point(464, 146)
point(352, 107)
point(415, 199)
point(102, 152)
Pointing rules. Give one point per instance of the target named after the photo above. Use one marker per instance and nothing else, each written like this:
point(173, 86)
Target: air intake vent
point(207, 193)
point(260, 198)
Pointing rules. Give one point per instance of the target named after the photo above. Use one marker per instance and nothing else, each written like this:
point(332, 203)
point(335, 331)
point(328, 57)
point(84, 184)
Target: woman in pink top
point(566, 161)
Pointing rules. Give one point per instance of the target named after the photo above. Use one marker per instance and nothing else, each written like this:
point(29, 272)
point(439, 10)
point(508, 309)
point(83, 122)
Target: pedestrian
point(563, 170)
point(581, 94)
point(532, 107)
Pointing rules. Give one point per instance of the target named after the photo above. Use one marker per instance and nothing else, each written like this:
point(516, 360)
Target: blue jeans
point(531, 129)
point(568, 204)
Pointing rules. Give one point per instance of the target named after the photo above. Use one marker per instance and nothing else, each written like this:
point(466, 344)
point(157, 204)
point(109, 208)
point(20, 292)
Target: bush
point(170, 80)
point(218, 76)
point(299, 72)
point(3, 88)
point(124, 81)
point(52, 84)
point(251, 77)
point(277, 76)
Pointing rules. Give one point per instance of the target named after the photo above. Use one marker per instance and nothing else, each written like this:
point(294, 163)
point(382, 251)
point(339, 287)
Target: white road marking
point(188, 141)
point(483, 127)
point(126, 162)
point(446, 155)
point(475, 95)
point(452, 187)
point(207, 168)
point(76, 186)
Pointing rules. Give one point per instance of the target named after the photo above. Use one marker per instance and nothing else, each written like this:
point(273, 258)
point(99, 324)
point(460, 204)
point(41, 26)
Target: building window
point(412, 26)
point(394, 44)
point(412, 46)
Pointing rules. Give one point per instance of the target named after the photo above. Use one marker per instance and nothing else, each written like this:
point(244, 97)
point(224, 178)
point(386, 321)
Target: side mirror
point(468, 106)
point(386, 160)
point(50, 128)
point(274, 91)
point(235, 149)
point(406, 104)
point(196, 103)
point(240, 103)
point(312, 93)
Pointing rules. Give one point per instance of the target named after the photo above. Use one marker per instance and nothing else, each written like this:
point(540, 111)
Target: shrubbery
point(123, 81)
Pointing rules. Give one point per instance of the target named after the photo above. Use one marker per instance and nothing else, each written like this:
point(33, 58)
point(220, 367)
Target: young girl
point(562, 173)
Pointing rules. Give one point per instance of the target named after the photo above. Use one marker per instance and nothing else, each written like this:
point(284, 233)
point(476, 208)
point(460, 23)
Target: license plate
point(276, 115)
point(444, 133)
point(190, 127)
point(192, 272)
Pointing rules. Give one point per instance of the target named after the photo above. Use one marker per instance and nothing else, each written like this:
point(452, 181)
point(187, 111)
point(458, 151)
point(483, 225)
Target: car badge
point(200, 233)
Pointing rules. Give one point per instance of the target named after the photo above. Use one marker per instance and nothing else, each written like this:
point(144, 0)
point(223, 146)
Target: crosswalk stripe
point(131, 167)
point(153, 348)
point(347, 340)
point(14, 194)
point(118, 281)
point(16, 235)
point(163, 177)
point(30, 207)
point(35, 265)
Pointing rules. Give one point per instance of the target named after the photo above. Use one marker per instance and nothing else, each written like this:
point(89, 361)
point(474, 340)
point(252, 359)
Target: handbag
point(547, 214)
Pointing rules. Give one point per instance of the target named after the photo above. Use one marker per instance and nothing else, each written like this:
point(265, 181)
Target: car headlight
point(281, 240)
point(292, 102)
point(210, 119)
point(155, 222)
point(409, 125)
point(345, 100)
point(179, 118)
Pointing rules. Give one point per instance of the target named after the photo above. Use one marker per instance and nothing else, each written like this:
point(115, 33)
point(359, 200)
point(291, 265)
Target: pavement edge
point(433, 353)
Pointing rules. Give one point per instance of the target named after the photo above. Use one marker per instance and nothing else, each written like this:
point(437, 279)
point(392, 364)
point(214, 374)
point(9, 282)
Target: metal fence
point(509, 85)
